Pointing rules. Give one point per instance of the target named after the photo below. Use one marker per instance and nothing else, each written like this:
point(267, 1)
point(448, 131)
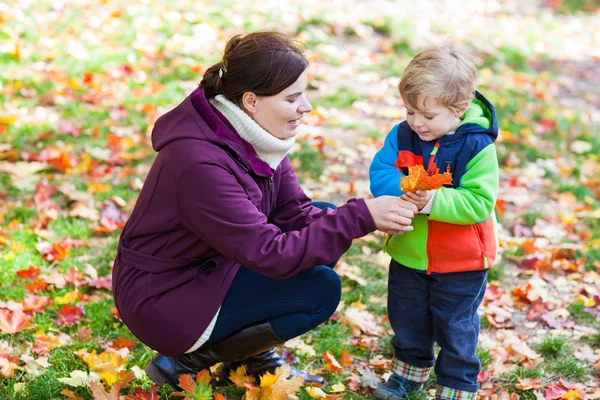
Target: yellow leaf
point(268, 379)
point(67, 298)
point(573, 394)
point(316, 393)
point(338, 388)
point(17, 247)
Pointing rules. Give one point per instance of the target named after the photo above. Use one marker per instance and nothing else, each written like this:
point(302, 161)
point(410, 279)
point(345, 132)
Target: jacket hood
point(480, 117)
point(196, 118)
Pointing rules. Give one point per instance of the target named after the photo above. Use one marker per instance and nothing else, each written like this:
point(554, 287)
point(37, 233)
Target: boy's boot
point(267, 361)
point(396, 388)
point(245, 343)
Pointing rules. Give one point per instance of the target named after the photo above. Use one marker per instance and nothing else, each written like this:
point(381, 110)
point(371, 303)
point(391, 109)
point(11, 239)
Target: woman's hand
point(391, 214)
point(418, 198)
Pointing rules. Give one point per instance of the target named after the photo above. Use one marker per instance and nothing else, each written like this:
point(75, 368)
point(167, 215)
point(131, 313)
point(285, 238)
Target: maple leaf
point(331, 364)
point(12, 322)
point(240, 378)
point(360, 321)
point(276, 386)
point(29, 273)
point(35, 303)
point(44, 343)
point(100, 393)
point(70, 395)
point(528, 383)
point(7, 367)
point(108, 364)
point(79, 378)
point(69, 315)
point(141, 394)
point(199, 389)
point(38, 285)
point(346, 358)
point(419, 179)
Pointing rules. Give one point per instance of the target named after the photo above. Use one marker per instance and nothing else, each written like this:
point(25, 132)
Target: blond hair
point(438, 72)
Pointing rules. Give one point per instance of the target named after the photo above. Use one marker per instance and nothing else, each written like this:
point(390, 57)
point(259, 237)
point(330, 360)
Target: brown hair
point(439, 72)
point(264, 62)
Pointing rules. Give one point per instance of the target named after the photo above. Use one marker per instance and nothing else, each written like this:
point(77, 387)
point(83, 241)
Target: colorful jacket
point(209, 205)
point(459, 234)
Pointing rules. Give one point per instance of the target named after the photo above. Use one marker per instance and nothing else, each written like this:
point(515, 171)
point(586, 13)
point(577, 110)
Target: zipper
point(271, 183)
point(236, 158)
point(484, 258)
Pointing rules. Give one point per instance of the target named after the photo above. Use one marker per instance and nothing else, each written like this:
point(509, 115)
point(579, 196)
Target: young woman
point(224, 257)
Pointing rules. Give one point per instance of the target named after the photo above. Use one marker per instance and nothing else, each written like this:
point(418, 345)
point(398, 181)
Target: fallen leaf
point(12, 322)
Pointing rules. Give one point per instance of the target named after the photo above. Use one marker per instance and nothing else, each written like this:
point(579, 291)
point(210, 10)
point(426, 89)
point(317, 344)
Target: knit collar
point(268, 148)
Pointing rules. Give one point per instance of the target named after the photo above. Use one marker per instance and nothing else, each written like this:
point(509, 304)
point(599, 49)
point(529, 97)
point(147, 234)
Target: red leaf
point(141, 394)
point(29, 273)
point(120, 343)
point(69, 315)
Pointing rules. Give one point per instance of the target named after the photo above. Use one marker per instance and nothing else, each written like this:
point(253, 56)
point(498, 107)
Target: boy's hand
point(418, 198)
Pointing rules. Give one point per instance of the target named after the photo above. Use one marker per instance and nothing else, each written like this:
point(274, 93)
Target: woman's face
point(280, 114)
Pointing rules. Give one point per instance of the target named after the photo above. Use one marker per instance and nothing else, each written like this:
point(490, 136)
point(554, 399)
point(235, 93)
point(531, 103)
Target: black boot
point(267, 361)
point(242, 344)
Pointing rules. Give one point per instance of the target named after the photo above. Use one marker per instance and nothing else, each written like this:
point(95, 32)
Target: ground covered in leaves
point(80, 87)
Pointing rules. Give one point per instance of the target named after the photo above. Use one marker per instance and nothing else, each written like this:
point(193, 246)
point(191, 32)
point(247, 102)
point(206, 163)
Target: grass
point(554, 347)
point(580, 315)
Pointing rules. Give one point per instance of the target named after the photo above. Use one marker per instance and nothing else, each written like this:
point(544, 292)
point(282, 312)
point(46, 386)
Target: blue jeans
point(293, 306)
point(441, 307)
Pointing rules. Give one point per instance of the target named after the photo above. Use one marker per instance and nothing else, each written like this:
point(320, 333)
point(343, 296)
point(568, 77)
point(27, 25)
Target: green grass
point(554, 346)
point(580, 315)
point(570, 368)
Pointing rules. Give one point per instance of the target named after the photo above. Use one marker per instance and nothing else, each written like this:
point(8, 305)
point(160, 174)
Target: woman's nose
point(305, 106)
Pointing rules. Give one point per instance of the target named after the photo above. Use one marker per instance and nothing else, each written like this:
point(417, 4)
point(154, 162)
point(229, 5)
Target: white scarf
point(269, 148)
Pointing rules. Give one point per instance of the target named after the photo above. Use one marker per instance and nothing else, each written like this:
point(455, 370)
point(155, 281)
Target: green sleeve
point(474, 200)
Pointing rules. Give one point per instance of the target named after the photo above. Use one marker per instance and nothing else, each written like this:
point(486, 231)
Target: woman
point(224, 257)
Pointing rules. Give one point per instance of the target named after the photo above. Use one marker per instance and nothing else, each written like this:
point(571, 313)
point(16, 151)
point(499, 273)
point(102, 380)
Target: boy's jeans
point(441, 307)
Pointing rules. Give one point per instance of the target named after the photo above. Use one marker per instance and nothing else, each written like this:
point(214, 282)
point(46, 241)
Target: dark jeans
point(293, 306)
point(441, 307)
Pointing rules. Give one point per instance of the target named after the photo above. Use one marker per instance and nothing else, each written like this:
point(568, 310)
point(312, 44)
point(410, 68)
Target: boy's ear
point(461, 109)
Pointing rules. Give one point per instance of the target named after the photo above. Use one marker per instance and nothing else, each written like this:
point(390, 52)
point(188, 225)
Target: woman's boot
point(240, 345)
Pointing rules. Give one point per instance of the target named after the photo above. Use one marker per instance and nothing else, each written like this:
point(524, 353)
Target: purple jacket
point(209, 205)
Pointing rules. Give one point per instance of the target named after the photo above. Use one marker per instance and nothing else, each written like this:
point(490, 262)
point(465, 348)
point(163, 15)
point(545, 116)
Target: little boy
point(438, 271)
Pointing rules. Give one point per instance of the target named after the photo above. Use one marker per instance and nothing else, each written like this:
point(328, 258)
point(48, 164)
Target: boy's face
point(434, 120)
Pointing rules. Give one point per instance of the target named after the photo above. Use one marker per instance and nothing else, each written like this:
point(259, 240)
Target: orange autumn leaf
point(70, 395)
point(219, 396)
point(416, 175)
point(419, 179)
point(199, 389)
point(346, 359)
point(240, 378)
point(331, 364)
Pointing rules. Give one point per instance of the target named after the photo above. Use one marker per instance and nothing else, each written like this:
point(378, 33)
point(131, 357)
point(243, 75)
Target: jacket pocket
point(454, 248)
